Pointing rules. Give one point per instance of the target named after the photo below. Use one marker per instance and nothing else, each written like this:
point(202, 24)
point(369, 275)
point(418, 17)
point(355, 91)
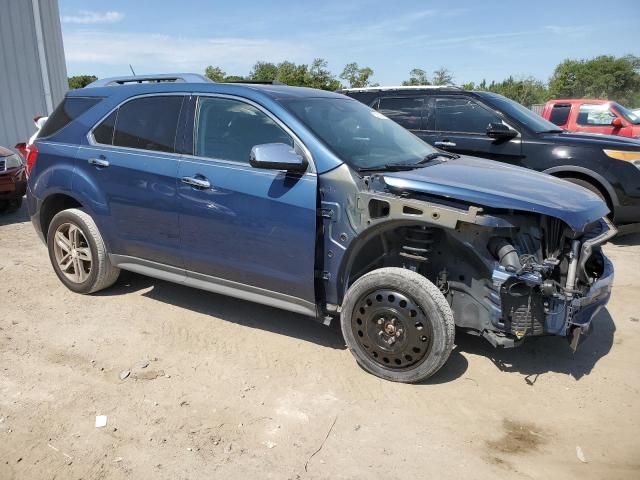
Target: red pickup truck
point(593, 116)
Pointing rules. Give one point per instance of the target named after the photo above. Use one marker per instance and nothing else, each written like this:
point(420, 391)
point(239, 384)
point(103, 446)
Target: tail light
point(22, 148)
point(32, 156)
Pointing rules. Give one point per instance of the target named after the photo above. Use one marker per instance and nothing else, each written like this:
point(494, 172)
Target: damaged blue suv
point(312, 202)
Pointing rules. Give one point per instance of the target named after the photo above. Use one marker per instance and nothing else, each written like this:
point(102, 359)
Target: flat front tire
point(398, 325)
point(78, 253)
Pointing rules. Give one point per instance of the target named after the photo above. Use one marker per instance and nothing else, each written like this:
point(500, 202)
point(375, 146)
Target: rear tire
point(78, 254)
point(398, 325)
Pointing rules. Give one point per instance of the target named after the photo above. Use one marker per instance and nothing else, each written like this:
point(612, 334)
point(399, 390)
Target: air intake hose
point(505, 253)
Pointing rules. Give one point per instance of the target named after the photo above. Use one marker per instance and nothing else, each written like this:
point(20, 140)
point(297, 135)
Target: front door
point(596, 118)
point(132, 160)
point(250, 226)
point(458, 124)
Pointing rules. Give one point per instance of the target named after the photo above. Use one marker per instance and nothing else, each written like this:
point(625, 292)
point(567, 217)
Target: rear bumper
point(33, 207)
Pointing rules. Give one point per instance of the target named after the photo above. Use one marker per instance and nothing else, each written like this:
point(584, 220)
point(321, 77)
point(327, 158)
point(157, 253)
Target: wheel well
point(590, 180)
point(52, 206)
point(390, 246)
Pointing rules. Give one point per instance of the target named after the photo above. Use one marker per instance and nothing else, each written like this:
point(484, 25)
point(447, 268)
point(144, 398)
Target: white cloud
point(155, 53)
point(86, 17)
point(570, 31)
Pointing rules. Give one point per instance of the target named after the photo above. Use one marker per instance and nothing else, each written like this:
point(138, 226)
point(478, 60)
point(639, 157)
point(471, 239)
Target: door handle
point(196, 182)
point(444, 144)
point(99, 162)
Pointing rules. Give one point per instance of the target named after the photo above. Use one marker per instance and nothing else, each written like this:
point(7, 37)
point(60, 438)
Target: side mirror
point(617, 123)
point(500, 131)
point(277, 156)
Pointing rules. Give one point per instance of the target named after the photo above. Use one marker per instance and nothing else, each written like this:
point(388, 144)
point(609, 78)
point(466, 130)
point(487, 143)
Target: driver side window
point(228, 129)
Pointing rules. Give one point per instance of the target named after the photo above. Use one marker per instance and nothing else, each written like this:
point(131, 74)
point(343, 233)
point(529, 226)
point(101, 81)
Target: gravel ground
point(221, 388)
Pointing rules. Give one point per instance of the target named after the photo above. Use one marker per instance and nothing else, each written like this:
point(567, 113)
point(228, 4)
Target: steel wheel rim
point(72, 252)
point(392, 329)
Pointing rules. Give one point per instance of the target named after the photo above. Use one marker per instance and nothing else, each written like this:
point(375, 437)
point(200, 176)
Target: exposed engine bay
point(507, 275)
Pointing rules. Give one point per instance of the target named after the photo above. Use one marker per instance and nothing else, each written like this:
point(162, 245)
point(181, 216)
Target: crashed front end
point(516, 254)
point(548, 280)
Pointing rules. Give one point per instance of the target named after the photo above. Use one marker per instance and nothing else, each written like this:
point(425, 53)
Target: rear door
point(559, 114)
point(459, 123)
point(132, 159)
point(251, 226)
point(406, 111)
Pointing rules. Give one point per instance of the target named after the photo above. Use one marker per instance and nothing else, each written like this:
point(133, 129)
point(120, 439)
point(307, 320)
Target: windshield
point(357, 134)
point(627, 114)
point(523, 115)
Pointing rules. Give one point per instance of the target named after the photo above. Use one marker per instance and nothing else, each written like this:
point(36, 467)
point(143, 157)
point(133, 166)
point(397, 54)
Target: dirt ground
point(237, 390)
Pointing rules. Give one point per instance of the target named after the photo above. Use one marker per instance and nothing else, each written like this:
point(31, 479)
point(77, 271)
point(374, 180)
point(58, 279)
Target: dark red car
point(13, 180)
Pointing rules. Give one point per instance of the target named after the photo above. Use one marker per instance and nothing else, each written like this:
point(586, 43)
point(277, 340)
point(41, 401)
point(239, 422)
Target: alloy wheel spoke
point(78, 270)
point(84, 253)
point(65, 262)
point(63, 242)
point(74, 234)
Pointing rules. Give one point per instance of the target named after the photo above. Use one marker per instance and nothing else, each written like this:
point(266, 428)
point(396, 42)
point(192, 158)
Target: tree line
point(605, 77)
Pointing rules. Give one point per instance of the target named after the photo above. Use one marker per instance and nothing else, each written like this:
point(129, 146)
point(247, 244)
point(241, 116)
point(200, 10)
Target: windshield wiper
point(401, 167)
point(391, 167)
point(435, 155)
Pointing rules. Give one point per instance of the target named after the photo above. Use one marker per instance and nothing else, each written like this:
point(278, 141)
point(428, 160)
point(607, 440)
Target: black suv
point(485, 124)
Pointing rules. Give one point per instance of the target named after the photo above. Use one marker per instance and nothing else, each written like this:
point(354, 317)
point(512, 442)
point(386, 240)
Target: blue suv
point(312, 202)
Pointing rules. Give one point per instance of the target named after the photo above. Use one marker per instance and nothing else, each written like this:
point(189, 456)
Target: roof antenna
point(134, 73)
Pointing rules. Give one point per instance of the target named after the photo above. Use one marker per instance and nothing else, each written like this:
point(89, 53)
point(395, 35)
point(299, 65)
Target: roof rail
point(151, 78)
point(259, 82)
point(401, 87)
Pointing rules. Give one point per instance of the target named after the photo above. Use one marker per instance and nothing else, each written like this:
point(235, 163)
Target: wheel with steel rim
point(398, 325)
point(78, 253)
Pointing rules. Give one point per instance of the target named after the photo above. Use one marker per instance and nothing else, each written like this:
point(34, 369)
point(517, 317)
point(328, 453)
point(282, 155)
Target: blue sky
point(474, 39)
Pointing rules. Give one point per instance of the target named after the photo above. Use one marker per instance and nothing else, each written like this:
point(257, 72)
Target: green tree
point(319, 76)
point(234, 78)
point(81, 81)
point(605, 77)
point(527, 91)
point(215, 73)
point(417, 77)
point(356, 76)
point(291, 74)
point(264, 72)
point(442, 76)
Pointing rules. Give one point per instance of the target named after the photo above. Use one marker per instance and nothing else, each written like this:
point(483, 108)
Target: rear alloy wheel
point(78, 253)
point(72, 252)
point(398, 325)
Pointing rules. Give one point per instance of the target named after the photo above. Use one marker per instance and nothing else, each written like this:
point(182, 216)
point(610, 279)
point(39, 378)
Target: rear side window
point(560, 114)
point(148, 123)
point(463, 115)
point(229, 129)
point(70, 109)
point(103, 133)
point(407, 111)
